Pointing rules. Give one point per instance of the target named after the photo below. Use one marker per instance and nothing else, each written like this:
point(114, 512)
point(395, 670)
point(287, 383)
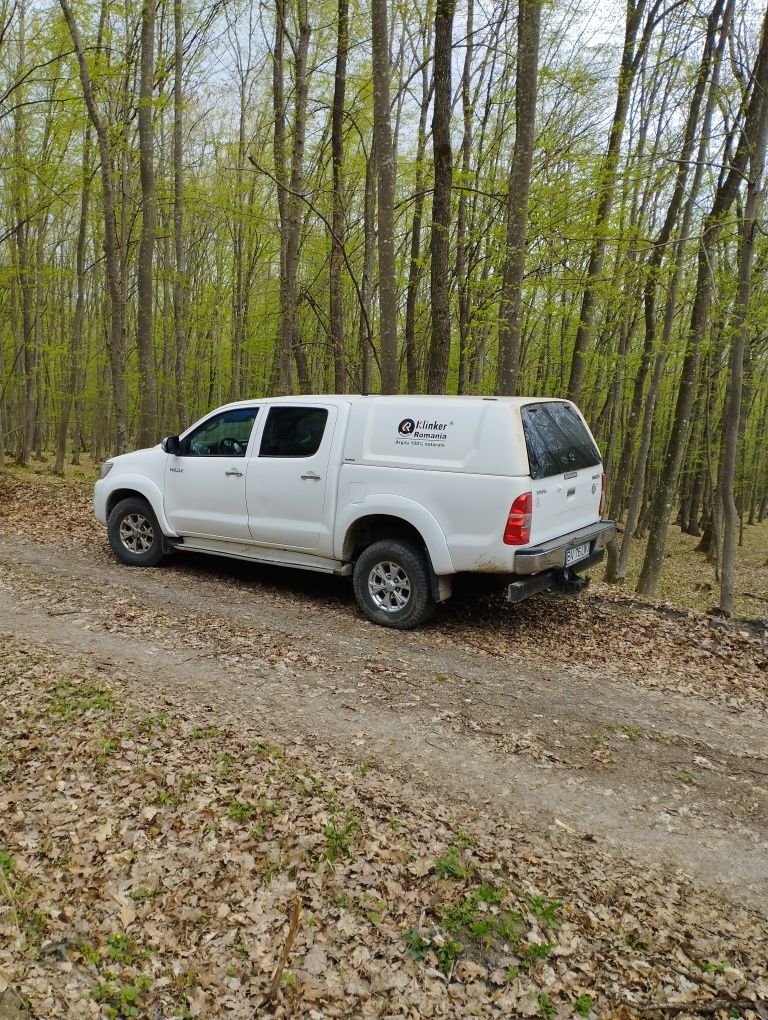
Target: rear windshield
point(557, 440)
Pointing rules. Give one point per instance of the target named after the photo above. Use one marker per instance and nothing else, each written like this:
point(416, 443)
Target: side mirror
point(172, 444)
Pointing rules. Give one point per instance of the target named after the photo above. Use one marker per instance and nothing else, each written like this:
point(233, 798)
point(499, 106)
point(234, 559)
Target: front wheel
point(391, 584)
point(134, 533)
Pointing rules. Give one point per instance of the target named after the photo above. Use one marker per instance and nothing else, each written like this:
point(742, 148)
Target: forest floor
point(213, 775)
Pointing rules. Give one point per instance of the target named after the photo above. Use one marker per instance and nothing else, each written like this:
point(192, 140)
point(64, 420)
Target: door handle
point(311, 477)
point(235, 472)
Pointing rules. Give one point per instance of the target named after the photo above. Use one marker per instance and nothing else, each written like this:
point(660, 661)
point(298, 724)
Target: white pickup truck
point(400, 492)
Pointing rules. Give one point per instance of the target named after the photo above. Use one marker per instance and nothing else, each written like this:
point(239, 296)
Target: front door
point(286, 483)
point(205, 484)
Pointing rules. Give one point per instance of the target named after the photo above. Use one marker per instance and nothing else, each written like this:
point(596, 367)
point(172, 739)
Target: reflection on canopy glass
point(557, 440)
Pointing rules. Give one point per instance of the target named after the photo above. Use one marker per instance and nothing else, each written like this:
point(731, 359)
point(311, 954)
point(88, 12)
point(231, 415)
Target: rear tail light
point(602, 494)
point(518, 527)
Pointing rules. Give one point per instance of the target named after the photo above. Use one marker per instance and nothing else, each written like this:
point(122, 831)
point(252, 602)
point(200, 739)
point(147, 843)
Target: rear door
point(287, 478)
point(565, 469)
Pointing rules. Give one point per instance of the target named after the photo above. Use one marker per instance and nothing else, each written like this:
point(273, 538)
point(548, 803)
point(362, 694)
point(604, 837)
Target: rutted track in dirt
point(656, 769)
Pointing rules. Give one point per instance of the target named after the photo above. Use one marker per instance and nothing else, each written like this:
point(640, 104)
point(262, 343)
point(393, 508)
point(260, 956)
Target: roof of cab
point(426, 398)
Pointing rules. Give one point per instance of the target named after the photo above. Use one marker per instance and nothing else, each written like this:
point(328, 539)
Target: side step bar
point(565, 580)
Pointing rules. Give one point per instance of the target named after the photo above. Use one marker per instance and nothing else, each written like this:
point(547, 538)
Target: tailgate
point(565, 470)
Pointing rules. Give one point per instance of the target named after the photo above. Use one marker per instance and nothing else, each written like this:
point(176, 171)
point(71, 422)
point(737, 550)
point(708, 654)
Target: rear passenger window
point(557, 440)
point(293, 431)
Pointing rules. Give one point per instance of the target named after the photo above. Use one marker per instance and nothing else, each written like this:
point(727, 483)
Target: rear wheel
point(391, 584)
point(134, 533)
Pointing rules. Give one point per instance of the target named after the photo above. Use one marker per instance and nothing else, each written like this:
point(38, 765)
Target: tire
point(391, 584)
point(134, 534)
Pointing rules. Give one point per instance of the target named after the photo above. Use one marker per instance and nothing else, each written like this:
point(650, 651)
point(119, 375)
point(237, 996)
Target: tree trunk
point(528, 33)
point(365, 342)
point(385, 166)
point(76, 345)
point(440, 347)
point(144, 276)
point(23, 260)
point(336, 307)
point(462, 278)
point(414, 264)
point(282, 370)
point(238, 248)
point(180, 275)
point(290, 183)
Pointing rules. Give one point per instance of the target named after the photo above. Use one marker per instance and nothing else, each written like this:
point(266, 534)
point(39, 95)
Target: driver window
point(224, 435)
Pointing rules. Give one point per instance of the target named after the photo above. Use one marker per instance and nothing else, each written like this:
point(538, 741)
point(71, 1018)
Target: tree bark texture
point(144, 275)
point(385, 167)
point(528, 33)
point(180, 252)
point(440, 346)
point(336, 307)
point(76, 346)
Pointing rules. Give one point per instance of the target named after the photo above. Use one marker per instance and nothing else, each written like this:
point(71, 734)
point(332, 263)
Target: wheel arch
point(364, 531)
point(395, 517)
point(143, 488)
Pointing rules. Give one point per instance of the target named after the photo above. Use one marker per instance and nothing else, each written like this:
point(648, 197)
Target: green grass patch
point(472, 919)
point(546, 1008)
point(124, 950)
point(632, 733)
point(120, 1000)
point(544, 909)
point(6, 863)
point(339, 838)
point(714, 968)
point(70, 700)
point(239, 811)
point(583, 1005)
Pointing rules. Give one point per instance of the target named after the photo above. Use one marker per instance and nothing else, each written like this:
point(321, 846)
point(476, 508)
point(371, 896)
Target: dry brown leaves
point(152, 856)
point(653, 644)
point(47, 509)
point(657, 644)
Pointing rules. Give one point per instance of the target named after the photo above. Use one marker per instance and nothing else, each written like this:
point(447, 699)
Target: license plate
point(578, 552)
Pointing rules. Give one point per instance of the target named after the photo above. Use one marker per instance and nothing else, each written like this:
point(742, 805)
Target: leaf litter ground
point(150, 862)
point(152, 853)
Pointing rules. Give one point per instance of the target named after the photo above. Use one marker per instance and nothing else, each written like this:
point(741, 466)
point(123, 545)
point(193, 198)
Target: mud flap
point(441, 586)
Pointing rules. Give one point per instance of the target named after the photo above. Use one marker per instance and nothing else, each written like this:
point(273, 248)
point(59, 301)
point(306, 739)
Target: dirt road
point(632, 725)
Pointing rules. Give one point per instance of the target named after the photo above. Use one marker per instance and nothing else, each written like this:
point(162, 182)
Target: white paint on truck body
point(449, 466)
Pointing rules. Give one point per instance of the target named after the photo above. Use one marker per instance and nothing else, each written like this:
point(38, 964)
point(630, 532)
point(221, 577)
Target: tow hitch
point(571, 582)
point(563, 579)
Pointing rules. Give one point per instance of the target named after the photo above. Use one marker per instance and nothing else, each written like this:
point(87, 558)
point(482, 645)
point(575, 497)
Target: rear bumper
point(550, 556)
